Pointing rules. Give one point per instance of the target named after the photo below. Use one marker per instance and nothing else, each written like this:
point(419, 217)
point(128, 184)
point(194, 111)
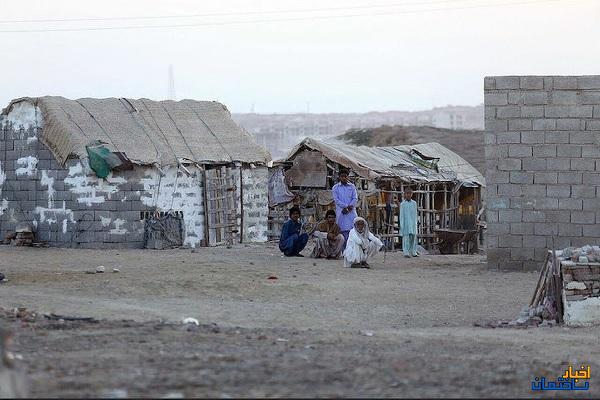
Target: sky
point(289, 56)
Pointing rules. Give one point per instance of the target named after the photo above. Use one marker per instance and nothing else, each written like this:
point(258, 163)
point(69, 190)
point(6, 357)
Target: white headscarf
point(365, 233)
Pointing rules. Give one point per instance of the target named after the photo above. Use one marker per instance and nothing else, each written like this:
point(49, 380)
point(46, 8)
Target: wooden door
point(221, 206)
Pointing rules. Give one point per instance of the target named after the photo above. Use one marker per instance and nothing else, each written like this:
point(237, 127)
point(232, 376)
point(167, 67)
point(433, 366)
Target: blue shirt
point(289, 228)
point(344, 196)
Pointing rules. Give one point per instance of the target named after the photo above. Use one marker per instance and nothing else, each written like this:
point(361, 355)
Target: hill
point(467, 143)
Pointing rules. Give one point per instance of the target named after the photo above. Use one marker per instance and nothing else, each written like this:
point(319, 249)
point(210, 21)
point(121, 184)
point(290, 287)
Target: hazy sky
point(392, 61)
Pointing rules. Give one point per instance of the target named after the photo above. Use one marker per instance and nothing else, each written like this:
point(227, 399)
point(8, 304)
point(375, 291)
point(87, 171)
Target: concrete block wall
point(69, 206)
point(542, 147)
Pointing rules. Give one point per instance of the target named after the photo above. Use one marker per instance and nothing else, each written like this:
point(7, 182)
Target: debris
point(272, 277)
point(24, 235)
point(100, 269)
point(55, 317)
point(367, 333)
point(574, 285)
point(281, 340)
point(116, 270)
point(190, 321)
point(115, 394)
point(2, 277)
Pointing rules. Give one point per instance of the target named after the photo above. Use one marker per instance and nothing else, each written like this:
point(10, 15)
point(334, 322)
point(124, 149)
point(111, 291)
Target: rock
point(189, 320)
point(574, 285)
point(100, 269)
point(272, 277)
point(367, 333)
point(116, 270)
point(583, 259)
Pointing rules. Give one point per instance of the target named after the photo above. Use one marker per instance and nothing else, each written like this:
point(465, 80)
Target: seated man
point(329, 242)
point(361, 245)
point(292, 240)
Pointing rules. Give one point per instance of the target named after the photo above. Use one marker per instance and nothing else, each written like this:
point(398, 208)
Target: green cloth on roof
point(102, 160)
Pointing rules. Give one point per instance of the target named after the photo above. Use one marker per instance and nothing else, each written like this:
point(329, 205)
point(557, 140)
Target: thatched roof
point(146, 131)
point(396, 161)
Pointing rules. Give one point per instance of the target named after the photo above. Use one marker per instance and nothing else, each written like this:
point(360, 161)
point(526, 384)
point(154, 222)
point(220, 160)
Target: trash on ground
point(189, 320)
point(100, 269)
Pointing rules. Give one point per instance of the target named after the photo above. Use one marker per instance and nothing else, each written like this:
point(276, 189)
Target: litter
point(272, 277)
point(116, 270)
point(100, 269)
point(55, 317)
point(367, 333)
point(190, 321)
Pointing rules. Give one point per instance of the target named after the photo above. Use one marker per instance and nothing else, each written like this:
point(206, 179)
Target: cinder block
point(590, 151)
point(582, 164)
point(591, 230)
point(559, 191)
point(528, 98)
point(496, 125)
point(510, 215)
point(489, 112)
point(568, 150)
point(491, 216)
point(583, 217)
point(546, 203)
point(544, 124)
point(592, 125)
point(495, 98)
point(519, 151)
point(570, 204)
point(557, 137)
point(590, 97)
point(523, 254)
point(558, 164)
point(544, 228)
point(534, 164)
point(532, 82)
point(521, 228)
point(583, 191)
point(570, 178)
point(558, 216)
point(588, 82)
point(499, 229)
point(520, 177)
point(534, 241)
point(532, 111)
point(497, 203)
point(508, 137)
point(497, 151)
point(596, 111)
point(495, 177)
point(510, 241)
point(582, 137)
point(591, 204)
point(489, 82)
point(569, 230)
point(548, 83)
point(498, 254)
point(540, 254)
point(570, 124)
point(533, 137)
point(544, 150)
point(590, 178)
point(507, 82)
point(565, 82)
point(534, 216)
point(564, 97)
point(520, 124)
point(521, 203)
point(509, 164)
point(506, 112)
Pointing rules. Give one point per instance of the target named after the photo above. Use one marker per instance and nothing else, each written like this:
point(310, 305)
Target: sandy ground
point(404, 328)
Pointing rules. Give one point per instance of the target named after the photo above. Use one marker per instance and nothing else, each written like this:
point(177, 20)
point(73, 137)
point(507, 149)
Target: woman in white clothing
point(361, 245)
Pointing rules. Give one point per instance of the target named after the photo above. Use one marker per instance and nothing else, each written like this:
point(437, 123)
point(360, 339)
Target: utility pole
point(171, 93)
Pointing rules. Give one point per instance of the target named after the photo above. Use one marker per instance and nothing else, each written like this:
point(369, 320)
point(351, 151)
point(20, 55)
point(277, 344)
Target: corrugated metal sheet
point(146, 131)
point(396, 161)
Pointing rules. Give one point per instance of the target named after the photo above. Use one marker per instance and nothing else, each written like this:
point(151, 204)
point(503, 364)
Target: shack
point(447, 189)
point(92, 172)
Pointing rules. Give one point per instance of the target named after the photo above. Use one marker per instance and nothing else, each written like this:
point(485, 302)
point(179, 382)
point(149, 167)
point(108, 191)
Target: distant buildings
point(279, 132)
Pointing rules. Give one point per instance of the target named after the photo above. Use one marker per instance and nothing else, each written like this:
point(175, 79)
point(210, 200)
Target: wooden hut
point(447, 189)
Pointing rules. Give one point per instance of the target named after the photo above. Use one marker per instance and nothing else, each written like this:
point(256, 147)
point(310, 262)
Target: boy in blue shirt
point(292, 241)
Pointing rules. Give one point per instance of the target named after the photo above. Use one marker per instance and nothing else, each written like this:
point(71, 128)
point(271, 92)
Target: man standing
point(408, 224)
point(292, 241)
point(345, 197)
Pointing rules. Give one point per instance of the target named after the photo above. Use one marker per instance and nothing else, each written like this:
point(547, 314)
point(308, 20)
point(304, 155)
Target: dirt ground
point(402, 329)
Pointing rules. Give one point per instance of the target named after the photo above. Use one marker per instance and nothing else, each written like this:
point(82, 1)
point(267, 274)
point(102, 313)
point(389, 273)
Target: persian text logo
point(570, 380)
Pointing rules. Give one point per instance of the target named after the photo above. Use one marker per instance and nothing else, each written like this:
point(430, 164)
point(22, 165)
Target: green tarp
point(102, 160)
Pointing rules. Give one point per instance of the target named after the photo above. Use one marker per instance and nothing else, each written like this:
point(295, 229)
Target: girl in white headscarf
point(361, 245)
